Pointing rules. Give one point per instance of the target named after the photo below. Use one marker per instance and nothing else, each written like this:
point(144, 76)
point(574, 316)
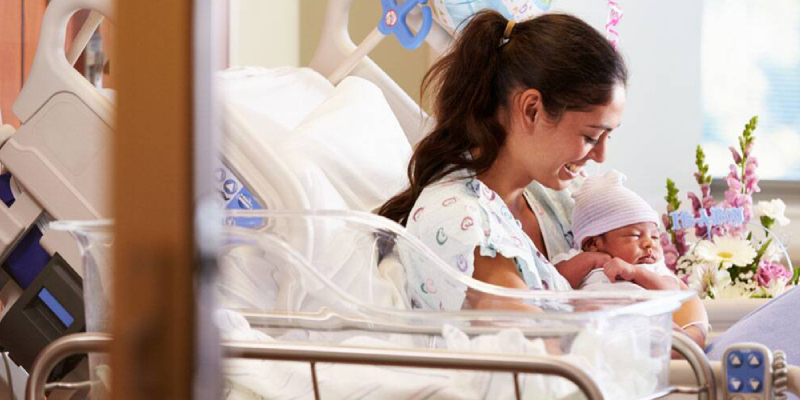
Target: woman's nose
point(598, 153)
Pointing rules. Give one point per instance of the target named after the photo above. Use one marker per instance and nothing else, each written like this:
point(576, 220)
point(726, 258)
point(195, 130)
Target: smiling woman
point(527, 113)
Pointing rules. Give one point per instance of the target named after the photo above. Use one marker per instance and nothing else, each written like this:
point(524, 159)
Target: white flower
point(708, 278)
point(736, 290)
point(774, 252)
point(775, 287)
point(775, 209)
point(726, 250)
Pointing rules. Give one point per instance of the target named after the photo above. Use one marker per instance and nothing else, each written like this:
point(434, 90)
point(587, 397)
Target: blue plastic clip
point(394, 22)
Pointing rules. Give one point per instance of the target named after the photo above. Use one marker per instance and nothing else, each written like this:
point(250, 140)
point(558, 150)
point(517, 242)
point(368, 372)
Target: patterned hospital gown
point(453, 217)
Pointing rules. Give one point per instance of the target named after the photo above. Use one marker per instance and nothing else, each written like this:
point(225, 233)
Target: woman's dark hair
point(570, 63)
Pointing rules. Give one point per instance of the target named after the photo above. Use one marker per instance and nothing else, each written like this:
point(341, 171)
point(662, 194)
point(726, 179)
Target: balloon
point(451, 14)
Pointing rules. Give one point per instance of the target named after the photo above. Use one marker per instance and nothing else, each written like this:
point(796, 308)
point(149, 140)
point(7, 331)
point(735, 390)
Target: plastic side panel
point(61, 157)
point(64, 244)
point(50, 72)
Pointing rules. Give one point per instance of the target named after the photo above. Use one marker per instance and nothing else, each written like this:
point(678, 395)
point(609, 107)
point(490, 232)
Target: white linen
point(350, 152)
point(620, 362)
point(273, 101)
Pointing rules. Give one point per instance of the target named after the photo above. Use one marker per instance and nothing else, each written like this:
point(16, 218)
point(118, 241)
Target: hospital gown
point(454, 217)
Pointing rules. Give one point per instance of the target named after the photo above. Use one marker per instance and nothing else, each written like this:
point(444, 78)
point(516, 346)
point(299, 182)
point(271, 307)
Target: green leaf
point(767, 222)
point(760, 252)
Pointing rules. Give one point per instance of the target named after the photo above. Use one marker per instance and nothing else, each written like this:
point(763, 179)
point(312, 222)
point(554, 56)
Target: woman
point(513, 103)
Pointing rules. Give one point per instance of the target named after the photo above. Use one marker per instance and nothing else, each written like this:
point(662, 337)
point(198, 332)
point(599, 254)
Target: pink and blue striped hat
point(602, 204)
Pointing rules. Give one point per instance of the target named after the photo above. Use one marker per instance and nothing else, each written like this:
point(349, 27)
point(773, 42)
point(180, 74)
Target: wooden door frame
point(155, 317)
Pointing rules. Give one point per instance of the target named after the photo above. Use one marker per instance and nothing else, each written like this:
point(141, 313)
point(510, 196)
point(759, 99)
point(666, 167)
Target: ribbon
point(614, 16)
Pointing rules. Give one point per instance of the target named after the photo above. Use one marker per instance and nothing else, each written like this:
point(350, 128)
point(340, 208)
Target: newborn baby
point(622, 229)
point(618, 247)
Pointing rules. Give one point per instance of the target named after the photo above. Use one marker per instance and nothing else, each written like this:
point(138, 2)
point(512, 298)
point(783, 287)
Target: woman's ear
point(530, 103)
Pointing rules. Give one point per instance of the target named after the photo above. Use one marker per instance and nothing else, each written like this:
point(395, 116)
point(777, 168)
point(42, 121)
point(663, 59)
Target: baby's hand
point(594, 258)
point(617, 268)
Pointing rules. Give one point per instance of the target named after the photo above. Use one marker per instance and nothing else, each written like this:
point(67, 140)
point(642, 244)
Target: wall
point(663, 119)
point(404, 66)
point(265, 32)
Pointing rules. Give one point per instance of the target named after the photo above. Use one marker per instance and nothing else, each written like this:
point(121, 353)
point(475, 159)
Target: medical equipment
point(58, 165)
point(747, 368)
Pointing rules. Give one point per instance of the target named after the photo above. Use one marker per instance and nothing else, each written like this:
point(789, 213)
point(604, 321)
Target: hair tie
point(509, 28)
point(507, 32)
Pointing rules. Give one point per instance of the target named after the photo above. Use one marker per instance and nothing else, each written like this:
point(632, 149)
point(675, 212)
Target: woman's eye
point(590, 140)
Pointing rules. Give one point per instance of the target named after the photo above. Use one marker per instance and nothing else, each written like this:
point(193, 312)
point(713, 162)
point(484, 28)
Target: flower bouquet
point(728, 250)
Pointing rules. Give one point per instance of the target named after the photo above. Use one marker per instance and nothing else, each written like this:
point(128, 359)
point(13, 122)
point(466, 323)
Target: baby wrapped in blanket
point(613, 220)
point(621, 231)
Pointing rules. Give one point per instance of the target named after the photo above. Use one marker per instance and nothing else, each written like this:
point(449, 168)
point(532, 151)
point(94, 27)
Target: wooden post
point(154, 308)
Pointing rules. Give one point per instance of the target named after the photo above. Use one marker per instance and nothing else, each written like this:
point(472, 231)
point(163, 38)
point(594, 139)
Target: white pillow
point(350, 152)
point(273, 101)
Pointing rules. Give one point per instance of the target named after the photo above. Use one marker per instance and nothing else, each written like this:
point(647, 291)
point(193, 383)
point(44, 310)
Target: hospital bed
point(251, 176)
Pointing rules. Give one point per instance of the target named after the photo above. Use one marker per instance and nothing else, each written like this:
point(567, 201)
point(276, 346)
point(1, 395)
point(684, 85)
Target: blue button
point(735, 359)
point(754, 384)
point(754, 361)
point(230, 186)
point(245, 202)
point(220, 174)
point(734, 385)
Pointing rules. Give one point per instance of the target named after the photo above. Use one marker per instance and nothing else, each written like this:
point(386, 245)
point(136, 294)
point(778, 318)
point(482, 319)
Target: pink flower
point(695, 202)
point(665, 220)
point(680, 242)
point(670, 252)
point(737, 158)
point(749, 148)
point(750, 178)
point(769, 271)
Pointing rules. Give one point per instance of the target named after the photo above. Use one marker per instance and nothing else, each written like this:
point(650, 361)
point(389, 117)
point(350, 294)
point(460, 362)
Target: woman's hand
point(617, 268)
point(694, 332)
point(576, 268)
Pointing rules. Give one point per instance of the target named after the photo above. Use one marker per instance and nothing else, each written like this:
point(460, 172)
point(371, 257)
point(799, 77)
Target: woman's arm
point(692, 318)
point(576, 268)
point(499, 271)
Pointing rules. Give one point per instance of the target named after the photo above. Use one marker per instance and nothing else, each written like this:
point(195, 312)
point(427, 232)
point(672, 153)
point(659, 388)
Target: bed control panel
point(235, 196)
point(747, 368)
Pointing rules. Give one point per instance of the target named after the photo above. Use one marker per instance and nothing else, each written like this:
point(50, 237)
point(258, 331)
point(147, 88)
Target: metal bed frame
point(84, 343)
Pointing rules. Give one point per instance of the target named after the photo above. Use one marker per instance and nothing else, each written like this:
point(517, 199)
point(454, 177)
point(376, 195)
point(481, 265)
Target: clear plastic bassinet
point(337, 277)
point(95, 239)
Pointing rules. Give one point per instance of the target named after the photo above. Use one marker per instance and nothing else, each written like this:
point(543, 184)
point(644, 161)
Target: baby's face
point(636, 244)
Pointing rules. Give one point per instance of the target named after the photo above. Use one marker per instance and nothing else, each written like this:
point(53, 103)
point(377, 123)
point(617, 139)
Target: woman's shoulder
point(447, 199)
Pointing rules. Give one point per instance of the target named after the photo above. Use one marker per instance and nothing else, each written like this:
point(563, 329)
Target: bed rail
point(82, 343)
point(313, 354)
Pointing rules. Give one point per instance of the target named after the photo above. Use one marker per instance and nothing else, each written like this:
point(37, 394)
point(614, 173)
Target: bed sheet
point(616, 364)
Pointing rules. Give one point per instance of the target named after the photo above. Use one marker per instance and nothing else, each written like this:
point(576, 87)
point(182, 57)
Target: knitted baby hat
point(602, 204)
